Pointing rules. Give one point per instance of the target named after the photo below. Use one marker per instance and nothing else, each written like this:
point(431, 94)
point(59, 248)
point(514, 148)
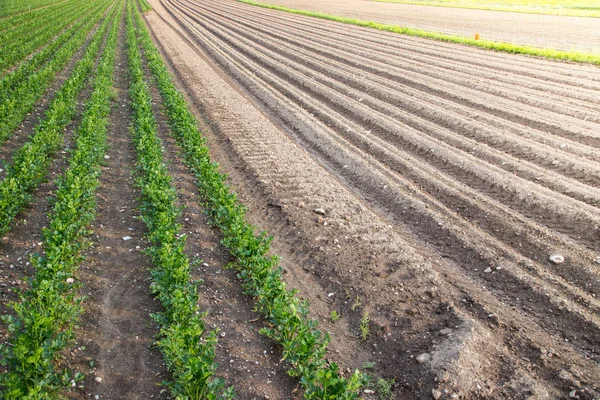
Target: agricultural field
point(550, 32)
point(581, 8)
point(216, 200)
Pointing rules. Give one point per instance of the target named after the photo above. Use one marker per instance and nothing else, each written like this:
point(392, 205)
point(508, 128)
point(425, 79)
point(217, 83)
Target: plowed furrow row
point(531, 150)
point(423, 91)
point(491, 181)
point(538, 70)
point(544, 95)
point(477, 249)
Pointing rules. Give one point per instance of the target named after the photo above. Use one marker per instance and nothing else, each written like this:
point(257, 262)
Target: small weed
point(384, 388)
point(334, 316)
point(364, 326)
point(368, 365)
point(356, 304)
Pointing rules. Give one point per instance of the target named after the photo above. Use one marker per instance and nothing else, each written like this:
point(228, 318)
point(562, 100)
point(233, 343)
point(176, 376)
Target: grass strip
point(304, 346)
point(46, 313)
point(484, 44)
point(31, 162)
point(24, 96)
point(188, 356)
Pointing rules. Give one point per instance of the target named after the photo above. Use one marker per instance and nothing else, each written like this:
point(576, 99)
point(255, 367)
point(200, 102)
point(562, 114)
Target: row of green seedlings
point(13, 28)
point(16, 20)
point(15, 6)
point(187, 350)
point(31, 162)
point(19, 74)
point(304, 346)
point(24, 96)
point(24, 40)
point(43, 320)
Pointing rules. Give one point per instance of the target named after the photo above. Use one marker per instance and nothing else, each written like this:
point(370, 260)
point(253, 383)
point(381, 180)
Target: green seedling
point(364, 326)
point(334, 316)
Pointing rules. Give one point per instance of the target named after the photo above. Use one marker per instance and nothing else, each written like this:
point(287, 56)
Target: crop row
point(304, 346)
point(10, 81)
point(188, 356)
point(25, 40)
point(13, 27)
point(16, 6)
point(26, 93)
point(45, 315)
point(31, 162)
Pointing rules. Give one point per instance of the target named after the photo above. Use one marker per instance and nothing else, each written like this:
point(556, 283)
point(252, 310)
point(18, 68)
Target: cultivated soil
point(543, 31)
point(423, 184)
point(448, 176)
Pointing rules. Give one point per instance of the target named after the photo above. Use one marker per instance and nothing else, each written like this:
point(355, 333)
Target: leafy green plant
point(31, 162)
point(304, 346)
point(334, 316)
point(384, 388)
point(22, 97)
point(364, 326)
point(188, 352)
point(46, 313)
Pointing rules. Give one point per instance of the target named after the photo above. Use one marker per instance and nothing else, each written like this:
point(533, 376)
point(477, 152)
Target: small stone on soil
point(70, 280)
point(98, 379)
point(320, 211)
point(423, 358)
point(488, 269)
point(436, 394)
point(557, 258)
point(127, 238)
point(446, 331)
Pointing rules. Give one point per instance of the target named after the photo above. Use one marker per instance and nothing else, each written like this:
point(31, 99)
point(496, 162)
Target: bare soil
point(449, 175)
point(536, 30)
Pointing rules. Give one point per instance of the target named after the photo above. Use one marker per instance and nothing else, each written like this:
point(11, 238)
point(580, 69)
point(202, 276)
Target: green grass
point(485, 44)
point(574, 8)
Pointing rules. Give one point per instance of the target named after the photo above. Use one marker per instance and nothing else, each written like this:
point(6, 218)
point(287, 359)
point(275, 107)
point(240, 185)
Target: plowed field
point(448, 178)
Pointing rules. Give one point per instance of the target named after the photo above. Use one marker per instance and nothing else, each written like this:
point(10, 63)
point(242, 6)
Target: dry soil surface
point(448, 177)
point(545, 31)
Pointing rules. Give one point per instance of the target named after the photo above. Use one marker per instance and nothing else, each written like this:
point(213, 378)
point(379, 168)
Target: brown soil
point(536, 30)
point(449, 175)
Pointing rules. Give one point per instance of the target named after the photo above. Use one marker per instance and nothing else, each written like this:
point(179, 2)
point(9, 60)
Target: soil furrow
point(585, 101)
point(548, 156)
point(494, 181)
point(538, 70)
point(517, 289)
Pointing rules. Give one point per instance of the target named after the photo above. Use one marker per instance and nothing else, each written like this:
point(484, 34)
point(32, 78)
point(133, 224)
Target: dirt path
point(543, 31)
point(448, 175)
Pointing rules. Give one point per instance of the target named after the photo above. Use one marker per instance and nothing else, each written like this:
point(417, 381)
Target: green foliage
point(304, 346)
point(19, 98)
point(31, 162)
point(364, 326)
point(334, 316)
point(188, 356)
point(384, 388)
point(46, 313)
